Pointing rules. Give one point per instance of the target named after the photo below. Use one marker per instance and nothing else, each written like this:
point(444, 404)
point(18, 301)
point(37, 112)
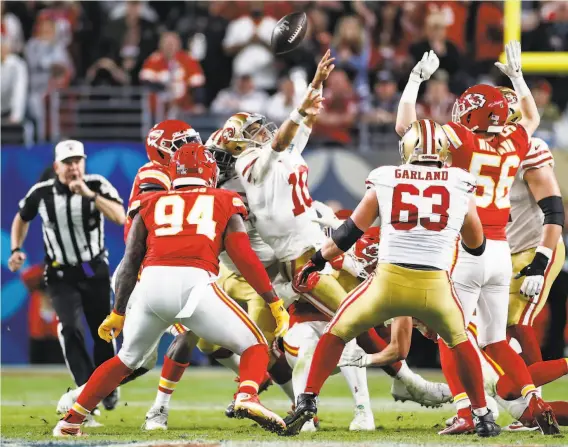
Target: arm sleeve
point(29, 205)
point(301, 139)
point(538, 156)
point(104, 188)
point(253, 165)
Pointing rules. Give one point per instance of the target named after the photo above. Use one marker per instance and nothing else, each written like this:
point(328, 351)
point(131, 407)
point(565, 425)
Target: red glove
point(307, 285)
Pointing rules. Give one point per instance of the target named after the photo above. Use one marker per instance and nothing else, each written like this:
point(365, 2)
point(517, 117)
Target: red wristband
point(118, 313)
point(238, 247)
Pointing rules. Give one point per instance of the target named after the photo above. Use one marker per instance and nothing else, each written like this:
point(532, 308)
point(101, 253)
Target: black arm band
point(475, 251)
point(318, 259)
point(346, 235)
point(553, 210)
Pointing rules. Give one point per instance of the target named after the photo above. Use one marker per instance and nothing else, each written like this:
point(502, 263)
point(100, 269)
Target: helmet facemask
point(225, 163)
point(258, 133)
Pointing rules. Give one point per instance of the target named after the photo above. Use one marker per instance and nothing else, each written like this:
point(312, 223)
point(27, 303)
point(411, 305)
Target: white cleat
point(66, 401)
point(427, 394)
point(248, 406)
point(363, 420)
point(66, 429)
point(518, 426)
point(309, 427)
point(91, 422)
point(156, 419)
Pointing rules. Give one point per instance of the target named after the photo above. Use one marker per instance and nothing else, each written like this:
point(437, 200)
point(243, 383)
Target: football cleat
point(491, 404)
point(306, 409)
point(91, 422)
point(459, 426)
point(518, 426)
point(65, 402)
point(156, 419)
point(427, 394)
point(309, 427)
point(485, 425)
point(363, 419)
point(248, 406)
point(230, 410)
point(64, 429)
point(111, 400)
point(544, 416)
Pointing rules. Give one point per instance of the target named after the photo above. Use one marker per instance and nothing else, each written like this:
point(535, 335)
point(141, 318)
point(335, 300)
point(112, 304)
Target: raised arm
point(531, 117)
point(406, 113)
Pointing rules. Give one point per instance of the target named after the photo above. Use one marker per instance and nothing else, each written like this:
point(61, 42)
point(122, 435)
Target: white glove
point(328, 217)
point(513, 66)
point(425, 67)
point(531, 288)
point(361, 361)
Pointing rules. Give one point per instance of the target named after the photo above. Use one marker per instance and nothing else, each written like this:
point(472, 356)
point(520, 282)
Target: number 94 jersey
point(422, 209)
point(186, 227)
point(494, 165)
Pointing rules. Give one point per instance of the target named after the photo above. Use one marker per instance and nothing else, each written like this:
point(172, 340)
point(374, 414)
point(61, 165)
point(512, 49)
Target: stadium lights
point(533, 62)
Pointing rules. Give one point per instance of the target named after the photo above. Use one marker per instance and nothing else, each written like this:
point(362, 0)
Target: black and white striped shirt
point(73, 228)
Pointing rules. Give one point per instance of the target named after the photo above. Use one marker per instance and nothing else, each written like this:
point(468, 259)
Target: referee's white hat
point(69, 148)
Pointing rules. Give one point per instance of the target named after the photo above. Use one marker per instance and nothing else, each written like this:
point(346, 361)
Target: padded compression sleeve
point(346, 235)
point(553, 210)
point(238, 247)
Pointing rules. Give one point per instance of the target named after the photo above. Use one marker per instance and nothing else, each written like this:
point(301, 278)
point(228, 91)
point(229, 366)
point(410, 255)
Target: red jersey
point(153, 174)
point(186, 227)
point(494, 164)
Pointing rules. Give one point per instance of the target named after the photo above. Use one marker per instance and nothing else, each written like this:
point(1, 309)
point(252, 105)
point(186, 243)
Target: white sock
point(288, 388)
point(405, 374)
point(77, 391)
point(232, 363)
point(302, 369)
point(357, 380)
point(162, 399)
point(480, 411)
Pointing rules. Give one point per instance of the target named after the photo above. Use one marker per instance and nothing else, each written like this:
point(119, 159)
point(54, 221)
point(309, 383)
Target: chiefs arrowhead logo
point(153, 137)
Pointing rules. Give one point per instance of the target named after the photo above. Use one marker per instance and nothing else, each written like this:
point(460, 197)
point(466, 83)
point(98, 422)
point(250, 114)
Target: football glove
point(513, 66)
point(111, 326)
point(309, 285)
point(425, 67)
point(301, 278)
point(281, 316)
point(361, 361)
point(534, 276)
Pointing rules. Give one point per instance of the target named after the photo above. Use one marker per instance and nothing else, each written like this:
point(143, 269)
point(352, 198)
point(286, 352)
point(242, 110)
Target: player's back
point(150, 177)
point(494, 164)
point(422, 209)
point(186, 227)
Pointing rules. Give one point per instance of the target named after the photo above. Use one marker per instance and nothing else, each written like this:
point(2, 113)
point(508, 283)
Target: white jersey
point(262, 250)
point(422, 209)
point(276, 186)
point(525, 227)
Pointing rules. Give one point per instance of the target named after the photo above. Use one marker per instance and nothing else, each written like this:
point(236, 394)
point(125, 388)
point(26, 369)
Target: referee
point(72, 207)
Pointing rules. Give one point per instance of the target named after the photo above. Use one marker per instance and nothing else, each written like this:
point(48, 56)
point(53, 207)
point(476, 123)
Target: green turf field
point(196, 417)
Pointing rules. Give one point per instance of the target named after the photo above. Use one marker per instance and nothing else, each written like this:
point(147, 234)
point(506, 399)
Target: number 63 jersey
point(422, 209)
point(186, 227)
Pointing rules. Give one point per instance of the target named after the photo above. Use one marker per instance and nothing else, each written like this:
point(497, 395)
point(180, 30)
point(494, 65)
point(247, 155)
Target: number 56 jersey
point(422, 209)
point(186, 227)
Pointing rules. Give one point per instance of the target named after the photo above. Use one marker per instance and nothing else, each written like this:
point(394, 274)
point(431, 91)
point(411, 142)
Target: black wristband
point(14, 250)
point(478, 251)
point(540, 261)
point(318, 260)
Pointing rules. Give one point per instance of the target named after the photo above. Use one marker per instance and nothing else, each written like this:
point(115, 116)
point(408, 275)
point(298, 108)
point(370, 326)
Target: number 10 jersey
point(422, 209)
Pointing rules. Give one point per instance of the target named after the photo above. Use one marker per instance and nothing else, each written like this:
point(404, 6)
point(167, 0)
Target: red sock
point(560, 409)
point(252, 368)
point(465, 413)
point(450, 369)
point(527, 339)
point(101, 383)
point(469, 369)
point(326, 356)
point(512, 364)
point(171, 375)
point(372, 343)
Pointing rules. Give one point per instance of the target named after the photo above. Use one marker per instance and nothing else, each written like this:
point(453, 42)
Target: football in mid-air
point(289, 32)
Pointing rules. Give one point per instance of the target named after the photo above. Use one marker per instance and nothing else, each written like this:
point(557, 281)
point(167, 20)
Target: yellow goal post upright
point(533, 62)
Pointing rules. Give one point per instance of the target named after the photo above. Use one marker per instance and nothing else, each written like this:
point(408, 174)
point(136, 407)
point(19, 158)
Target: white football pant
point(482, 285)
point(188, 296)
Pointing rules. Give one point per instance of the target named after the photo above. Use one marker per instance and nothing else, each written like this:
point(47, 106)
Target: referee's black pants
point(72, 295)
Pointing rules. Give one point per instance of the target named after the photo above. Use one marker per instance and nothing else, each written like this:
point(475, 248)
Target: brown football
point(289, 32)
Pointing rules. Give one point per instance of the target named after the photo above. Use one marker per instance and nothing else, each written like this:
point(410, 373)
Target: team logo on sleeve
point(238, 202)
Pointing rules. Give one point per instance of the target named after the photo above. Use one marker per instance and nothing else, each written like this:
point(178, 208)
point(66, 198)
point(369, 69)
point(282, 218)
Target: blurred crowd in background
point(214, 57)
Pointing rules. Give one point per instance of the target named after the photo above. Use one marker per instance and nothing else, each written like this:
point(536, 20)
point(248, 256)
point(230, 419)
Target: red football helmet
point(167, 137)
point(193, 164)
point(367, 250)
point(481, 108)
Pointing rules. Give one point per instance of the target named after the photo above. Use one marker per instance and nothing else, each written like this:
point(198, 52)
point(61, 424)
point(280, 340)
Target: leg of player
point(356, 378)
point(142, 331)
point(176, 361)
point(220, 320)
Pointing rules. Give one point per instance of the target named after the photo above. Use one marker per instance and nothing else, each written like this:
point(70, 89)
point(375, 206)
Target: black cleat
point(306, 409)
point(230, 410)
point(485, 425)
point(110, 401)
